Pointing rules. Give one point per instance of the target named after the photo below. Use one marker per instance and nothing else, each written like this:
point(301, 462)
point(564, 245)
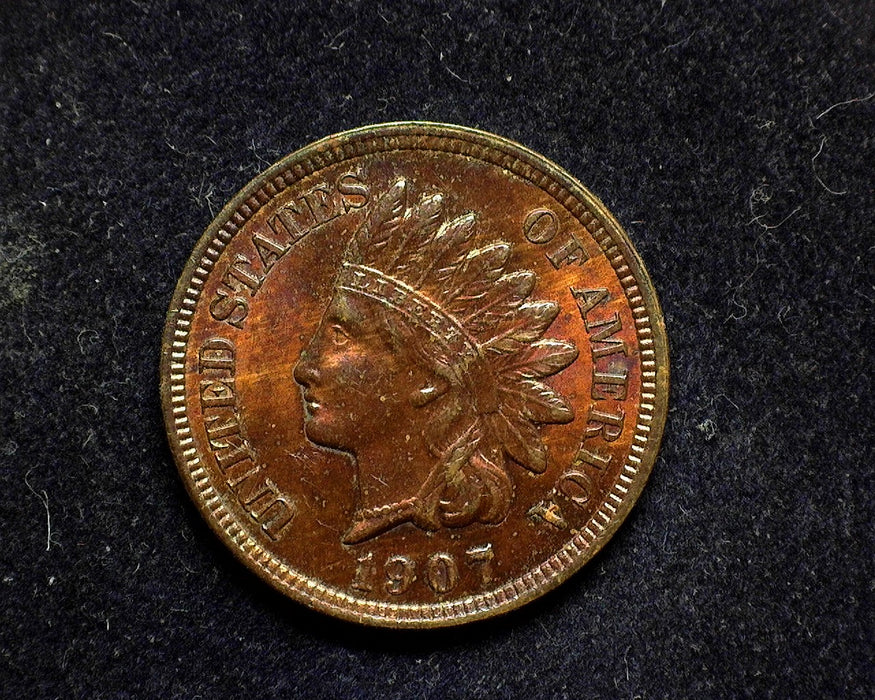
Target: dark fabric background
point(735, 143)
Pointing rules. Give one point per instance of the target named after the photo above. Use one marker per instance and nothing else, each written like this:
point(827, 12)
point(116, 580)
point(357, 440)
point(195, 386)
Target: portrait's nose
point(305, 372)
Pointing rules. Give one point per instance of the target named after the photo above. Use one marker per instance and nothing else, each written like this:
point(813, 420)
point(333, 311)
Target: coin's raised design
point(428, 337)
point(414, 375)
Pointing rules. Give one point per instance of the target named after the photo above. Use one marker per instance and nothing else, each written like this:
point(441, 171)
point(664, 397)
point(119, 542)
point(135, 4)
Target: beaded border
point(568, 193)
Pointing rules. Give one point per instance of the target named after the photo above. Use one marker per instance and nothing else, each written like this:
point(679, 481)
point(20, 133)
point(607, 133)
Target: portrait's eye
point(340, 336)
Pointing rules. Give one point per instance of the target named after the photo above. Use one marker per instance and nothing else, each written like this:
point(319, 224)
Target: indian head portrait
point(428, 369)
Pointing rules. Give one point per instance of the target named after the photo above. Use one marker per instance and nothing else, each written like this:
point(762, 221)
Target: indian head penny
point(414, 375)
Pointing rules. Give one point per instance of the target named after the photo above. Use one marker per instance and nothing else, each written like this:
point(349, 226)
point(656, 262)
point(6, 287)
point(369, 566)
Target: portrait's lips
point(311, 403)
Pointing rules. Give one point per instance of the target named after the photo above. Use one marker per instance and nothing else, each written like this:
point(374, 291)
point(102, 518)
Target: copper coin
point(414, 375)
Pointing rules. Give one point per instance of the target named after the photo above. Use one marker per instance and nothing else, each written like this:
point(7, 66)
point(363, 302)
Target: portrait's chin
point(321, 432)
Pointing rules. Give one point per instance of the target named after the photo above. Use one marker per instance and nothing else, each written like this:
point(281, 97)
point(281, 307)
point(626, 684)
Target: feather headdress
point(413, 259)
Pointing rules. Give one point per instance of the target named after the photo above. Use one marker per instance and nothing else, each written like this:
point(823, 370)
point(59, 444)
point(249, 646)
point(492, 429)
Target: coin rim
point(308, 590)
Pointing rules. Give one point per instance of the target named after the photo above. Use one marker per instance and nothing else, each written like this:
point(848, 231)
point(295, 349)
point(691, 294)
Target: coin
point(414, 375)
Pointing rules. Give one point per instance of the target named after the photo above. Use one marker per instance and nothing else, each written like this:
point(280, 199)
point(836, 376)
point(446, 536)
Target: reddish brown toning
point(414, 375)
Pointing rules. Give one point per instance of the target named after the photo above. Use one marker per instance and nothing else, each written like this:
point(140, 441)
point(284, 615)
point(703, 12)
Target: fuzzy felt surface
point(734, 141)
